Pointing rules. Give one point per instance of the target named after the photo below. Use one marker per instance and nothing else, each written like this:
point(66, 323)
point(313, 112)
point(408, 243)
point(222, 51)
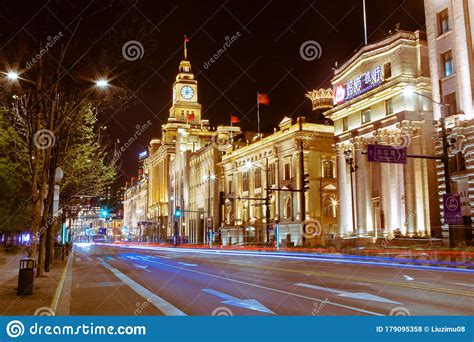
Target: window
point(245, 181)
point(258, 178)
point(231, 187)
point(450, 101)
point(365, 116)
point(271, 174)
point(345, 124)
point(328, 169)
point(287, 172)
point(457, 163)
point(443, 22)
point(387, 70)
point(388, 107)
point(448, 64)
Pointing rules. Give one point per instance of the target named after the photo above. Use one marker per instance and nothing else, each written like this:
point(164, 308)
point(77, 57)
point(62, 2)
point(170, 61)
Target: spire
point(186, 40)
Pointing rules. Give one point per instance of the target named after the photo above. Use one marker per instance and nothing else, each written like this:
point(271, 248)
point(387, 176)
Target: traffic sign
point(452, 209)
point(387, 154)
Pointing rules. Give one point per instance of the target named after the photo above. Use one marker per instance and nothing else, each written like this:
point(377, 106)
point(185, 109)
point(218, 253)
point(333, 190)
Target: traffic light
point(306, 182)
point(177, 212)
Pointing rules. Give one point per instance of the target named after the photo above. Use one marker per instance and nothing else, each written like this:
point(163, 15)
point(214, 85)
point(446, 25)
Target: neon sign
point(359, 85)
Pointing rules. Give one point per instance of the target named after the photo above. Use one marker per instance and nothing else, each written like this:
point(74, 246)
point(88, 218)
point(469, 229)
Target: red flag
point(234, 119)
point(186, 39)
point(263, 99)
point(191, 117)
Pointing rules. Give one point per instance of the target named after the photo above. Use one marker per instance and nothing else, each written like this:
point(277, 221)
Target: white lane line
point(78, 259)
point(355, 295)
point(251, 304)
point(463, 284)
point(408, 278)
point(161, 304)
point(186, 264)
point(270, 289)
point(143, 267)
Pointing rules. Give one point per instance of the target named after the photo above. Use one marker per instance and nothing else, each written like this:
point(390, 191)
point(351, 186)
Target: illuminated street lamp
point(12, 75)
point(102, 83)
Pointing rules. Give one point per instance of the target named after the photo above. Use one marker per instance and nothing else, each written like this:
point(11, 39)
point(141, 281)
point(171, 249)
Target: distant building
point(372, 107)
point(450, 29)
point(270, 167)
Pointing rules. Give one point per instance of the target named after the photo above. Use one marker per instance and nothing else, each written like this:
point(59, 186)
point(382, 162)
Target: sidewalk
point(43, 292)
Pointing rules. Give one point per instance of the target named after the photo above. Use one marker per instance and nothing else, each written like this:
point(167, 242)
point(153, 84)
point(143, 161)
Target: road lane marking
point(408, 277)
point(78, 259)
point(251, 304)
point(143, 267)
point(165, 307)
point(269, 289)
point(347, 294)
point(186, 264)
point(368, 280)
point(101, 284)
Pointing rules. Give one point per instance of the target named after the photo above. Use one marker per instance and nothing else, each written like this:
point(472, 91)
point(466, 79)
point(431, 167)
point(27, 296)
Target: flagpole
point(258, 114)
point(365, 22)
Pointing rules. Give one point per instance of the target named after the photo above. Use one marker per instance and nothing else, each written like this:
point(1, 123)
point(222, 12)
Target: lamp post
point(352, 170)
point(445, 154)
point(250, 165)
point(209, 177)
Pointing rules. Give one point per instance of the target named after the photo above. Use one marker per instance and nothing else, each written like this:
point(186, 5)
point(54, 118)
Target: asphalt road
point(113, 280)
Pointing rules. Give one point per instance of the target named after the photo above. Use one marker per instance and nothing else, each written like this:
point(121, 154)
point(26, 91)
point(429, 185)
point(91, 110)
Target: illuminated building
point(372, 107)
point(450, 28)
point(246, 171)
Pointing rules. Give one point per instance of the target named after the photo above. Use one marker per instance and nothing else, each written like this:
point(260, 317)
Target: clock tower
point(186, 107)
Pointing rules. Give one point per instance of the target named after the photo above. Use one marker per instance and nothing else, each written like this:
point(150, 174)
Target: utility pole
point(301, 185)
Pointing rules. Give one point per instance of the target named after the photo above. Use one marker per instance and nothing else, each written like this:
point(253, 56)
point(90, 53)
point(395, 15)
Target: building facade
point(261, 182)
point(372, 106)
point(450, 28)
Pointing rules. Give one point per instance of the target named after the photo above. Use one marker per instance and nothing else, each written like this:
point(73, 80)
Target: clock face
point(187, 92)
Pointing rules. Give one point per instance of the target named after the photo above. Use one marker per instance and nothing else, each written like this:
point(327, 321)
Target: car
point(99, 238)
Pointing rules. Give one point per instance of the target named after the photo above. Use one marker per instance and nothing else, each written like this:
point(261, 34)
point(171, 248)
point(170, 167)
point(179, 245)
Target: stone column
point(344, 192)
point(362, 188)
point(407, 136)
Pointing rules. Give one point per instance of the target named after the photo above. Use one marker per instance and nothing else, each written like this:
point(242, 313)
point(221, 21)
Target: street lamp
point(445, 156)
point(12, 75)
point(102, 83)
point(249, 165)
point(209, 177)
point(352, 170)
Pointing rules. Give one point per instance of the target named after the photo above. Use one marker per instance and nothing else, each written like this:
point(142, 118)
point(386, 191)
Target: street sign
point(387, 154)
point(452, 209)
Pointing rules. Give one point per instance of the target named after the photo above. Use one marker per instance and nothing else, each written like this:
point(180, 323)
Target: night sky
point(266, 56)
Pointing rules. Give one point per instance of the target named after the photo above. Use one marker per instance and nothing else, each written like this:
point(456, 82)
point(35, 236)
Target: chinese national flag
point(234, 119)
point(186, 39)
point(191, 117)
point(263, 99)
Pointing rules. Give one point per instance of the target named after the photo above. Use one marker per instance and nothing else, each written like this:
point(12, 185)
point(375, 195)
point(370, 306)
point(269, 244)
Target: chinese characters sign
point(358, 85)
point(452, 209)
point(387, 154)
